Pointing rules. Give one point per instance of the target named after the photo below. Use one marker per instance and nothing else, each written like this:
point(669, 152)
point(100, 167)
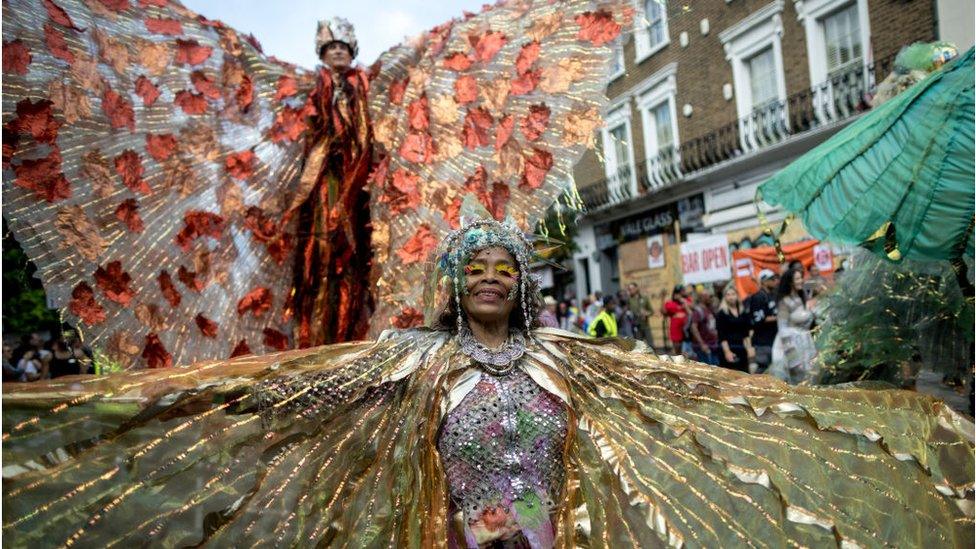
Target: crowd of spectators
point(711, 324)
point(768, 332)
point(35, 358)
point(722, 331)
point(624, 314)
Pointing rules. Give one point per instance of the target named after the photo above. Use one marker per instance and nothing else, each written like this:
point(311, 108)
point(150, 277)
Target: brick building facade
point(709, 99)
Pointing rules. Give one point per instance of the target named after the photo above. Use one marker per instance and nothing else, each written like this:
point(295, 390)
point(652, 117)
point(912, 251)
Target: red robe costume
point(331, 295)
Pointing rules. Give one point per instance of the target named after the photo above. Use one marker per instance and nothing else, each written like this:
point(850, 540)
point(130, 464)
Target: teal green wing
point(898, 180)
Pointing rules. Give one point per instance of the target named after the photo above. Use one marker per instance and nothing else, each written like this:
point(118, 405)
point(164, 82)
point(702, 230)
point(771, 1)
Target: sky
point(286, 28)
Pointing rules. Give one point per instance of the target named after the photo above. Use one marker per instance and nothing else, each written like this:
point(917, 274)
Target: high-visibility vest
point(609, 322)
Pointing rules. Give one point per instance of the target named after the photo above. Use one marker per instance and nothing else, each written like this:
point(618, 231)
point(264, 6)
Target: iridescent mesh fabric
point(502, 448)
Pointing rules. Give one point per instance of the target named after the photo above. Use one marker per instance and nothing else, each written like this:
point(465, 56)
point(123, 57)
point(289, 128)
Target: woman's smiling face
point(490, 278)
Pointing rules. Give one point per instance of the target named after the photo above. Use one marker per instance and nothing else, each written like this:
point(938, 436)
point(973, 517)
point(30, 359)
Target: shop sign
point(743, 267)
point(655, 252)
point(654, 222)
point(706, 260)
point(687, 211)
point(823, 258)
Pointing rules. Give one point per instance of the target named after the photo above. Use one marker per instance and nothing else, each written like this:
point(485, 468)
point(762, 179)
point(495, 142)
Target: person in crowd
point(562, 315)
point(688, 298)
point(761, 309)
point(605, 324)
point(815, 284)
point(575, 319)
point(10, 370)
point(81, 351)
point(793, 349)
point(640, 307)
point(595, 306)
point(624, 317)
point(547, 318)
point(43, 353)
point(583, 321)
point(733, 326)
point(31, 366)
point(796, 265)
point(677, 310)
point(65, 360)
point(702, 327)
point(29, 342)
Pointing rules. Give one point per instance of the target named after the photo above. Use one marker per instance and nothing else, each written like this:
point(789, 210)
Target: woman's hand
point(730, 356)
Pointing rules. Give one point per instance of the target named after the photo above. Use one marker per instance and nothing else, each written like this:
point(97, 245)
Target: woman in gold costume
point(480, 431)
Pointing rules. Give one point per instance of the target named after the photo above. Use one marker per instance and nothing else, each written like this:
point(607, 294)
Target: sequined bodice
point(502, 451)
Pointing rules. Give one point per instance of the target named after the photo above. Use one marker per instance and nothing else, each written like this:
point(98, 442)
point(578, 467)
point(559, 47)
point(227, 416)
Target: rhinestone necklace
point(497, 362)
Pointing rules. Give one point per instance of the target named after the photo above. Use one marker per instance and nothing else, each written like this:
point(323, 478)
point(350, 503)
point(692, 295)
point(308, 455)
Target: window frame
point(659, 88)
point(643, 49)
point(811, 13)
point(618, 51)
point(852, 7)
point(749, 62)
point(618, 115)
point(743, 40)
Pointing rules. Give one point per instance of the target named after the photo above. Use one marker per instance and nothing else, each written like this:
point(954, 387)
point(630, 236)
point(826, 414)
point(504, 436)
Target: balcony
point(845, 95)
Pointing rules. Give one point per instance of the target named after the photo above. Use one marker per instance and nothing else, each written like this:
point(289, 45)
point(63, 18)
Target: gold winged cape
point(336, 446)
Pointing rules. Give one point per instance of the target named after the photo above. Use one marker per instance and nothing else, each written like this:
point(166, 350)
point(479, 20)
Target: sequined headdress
point(462, 244)
point(336, 29)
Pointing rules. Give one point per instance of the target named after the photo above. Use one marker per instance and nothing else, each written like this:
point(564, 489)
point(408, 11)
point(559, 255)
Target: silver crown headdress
point(336, 29)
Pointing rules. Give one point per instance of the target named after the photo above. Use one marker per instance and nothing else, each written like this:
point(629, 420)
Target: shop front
point(643, 248)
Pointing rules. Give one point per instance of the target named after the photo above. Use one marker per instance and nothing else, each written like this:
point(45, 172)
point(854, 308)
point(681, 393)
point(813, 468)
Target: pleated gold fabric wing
point(687, 454)
point(303, 448)
point(337, 446)
point(148, 159)
point(498, 105)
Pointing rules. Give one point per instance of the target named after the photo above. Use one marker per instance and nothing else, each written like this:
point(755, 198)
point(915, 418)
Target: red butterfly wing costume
point(186, 197)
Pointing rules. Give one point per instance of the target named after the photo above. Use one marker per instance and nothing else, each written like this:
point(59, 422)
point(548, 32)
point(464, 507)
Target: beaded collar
point(498, 362)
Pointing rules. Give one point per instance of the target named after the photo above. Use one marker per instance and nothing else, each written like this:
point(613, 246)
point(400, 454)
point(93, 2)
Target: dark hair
point(327, 44)
point(609, 300)
point(786, 284)
point(447, 320)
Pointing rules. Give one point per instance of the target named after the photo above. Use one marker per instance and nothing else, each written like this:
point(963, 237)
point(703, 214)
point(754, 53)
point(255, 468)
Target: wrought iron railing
point(842, 96)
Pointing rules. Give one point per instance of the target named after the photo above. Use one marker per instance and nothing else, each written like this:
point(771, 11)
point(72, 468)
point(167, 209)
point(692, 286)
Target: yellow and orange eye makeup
point(476, 268)
point(506, 270)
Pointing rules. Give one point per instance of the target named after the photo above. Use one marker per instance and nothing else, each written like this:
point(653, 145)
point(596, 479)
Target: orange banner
point(746, 264)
